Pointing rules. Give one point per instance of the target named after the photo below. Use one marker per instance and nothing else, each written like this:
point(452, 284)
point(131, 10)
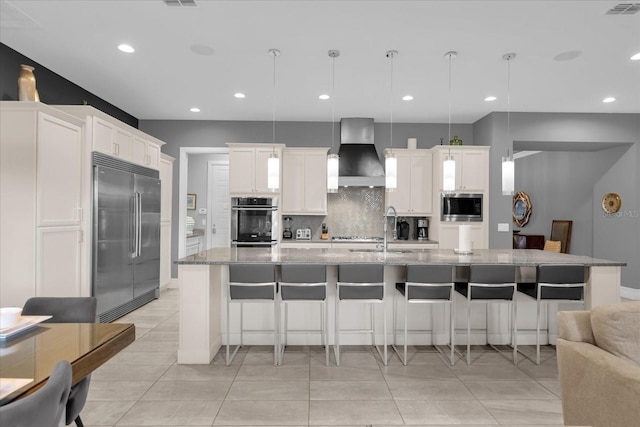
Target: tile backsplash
point(351, 212)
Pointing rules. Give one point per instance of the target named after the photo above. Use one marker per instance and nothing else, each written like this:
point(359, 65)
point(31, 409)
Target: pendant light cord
point(273, 101)
point(333, 100)
point(449, 99)
point(508, 102)
point(391, 105)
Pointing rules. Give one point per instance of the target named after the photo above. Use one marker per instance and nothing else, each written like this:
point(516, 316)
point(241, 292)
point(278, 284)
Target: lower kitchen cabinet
point(448, 236)
point(59, 259)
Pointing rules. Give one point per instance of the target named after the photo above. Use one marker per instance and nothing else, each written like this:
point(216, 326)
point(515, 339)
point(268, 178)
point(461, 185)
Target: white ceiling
point(164, 78)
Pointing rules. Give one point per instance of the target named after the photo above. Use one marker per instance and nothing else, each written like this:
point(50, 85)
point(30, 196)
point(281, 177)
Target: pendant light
point(333, 160)
point(449, 165)
point(390, 160)
point(508, 166)
point(273, 162)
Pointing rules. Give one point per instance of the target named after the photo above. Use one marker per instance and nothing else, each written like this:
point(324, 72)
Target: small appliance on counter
point(421, 229)
point(325, 232)
point(402, 230)
point(287, 233)
point(303, 233)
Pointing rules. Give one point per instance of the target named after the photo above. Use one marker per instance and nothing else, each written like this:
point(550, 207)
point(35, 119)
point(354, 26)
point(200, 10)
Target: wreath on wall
point(521, 209)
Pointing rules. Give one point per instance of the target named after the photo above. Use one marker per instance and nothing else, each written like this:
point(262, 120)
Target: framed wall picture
point(191, 201)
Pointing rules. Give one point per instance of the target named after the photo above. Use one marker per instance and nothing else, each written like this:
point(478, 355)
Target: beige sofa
point(599, 365)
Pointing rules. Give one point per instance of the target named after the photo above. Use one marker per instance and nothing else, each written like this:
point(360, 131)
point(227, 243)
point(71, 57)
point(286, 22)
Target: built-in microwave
point(461, 207)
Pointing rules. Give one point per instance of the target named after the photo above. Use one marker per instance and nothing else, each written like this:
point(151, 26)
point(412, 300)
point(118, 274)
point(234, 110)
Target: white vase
point(27, 84)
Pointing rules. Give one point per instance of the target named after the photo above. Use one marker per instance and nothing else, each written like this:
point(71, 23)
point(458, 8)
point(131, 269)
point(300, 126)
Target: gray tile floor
point(143, 386)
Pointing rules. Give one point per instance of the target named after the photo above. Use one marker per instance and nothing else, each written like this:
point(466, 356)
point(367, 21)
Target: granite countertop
point(196, 232)
point(334, 256)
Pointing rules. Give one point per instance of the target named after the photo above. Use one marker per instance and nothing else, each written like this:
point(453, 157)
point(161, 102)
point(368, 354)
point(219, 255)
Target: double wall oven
point(254, 221)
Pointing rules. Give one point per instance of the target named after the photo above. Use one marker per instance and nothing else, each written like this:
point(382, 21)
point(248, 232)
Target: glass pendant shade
point(508, 176)
point(333, 166)
point(391, 172)
point(273, 172)
point(449, 175)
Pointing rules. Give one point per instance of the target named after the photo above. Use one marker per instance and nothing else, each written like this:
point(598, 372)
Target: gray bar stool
point(252, 283)
point(558, 283)
point(361, 283)
point(490, 283)
point(305, 283)
point(426, 284)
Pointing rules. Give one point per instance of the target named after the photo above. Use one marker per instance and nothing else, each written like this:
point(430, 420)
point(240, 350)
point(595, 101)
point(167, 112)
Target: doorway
point(217, 231)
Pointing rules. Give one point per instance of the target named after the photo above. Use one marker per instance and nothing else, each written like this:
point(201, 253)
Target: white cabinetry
point(42, 250)
point(304, 181)
point(110, 136)
point(472, 167)
point(166, 182)
point(449, 236)
point(248, 168)
point(414, 194)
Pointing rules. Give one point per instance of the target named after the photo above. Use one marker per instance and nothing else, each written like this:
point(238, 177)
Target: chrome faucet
point(384, 224)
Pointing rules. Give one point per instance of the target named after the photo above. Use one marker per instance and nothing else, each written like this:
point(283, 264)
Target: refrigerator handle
point(138, 224)
point(132, 226)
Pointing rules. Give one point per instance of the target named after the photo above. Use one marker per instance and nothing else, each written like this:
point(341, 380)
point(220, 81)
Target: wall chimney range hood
point(360, 165)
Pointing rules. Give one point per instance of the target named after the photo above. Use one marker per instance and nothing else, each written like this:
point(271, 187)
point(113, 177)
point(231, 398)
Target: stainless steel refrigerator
point(126, 236)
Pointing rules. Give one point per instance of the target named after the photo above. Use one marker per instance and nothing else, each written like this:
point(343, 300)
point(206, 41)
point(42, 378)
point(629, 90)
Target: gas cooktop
point(356, 239)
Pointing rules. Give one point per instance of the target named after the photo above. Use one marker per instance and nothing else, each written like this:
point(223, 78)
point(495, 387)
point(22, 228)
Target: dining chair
point(425, 284)
point(364, 284)
point(45, 407)
point(67, 310)
point(305, 283)
point(252, 283)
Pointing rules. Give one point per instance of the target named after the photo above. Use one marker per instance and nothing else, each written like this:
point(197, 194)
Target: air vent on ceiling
point(180, 2)
point(624, 9)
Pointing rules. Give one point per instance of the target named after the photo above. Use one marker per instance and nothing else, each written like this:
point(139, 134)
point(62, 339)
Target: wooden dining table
point(29, 358)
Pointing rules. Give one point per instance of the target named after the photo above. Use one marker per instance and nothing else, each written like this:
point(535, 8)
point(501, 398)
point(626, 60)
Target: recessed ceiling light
point(568, 55)
point(407, 98)
point(126, 48)
point(636, 57)
point(195, 110)
point(490, 98)
point(608, 99)
point(239, 95)
point(324, 96)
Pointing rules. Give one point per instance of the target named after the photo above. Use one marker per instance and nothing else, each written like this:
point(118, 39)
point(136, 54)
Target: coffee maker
point(287, 233)
point(421, 229)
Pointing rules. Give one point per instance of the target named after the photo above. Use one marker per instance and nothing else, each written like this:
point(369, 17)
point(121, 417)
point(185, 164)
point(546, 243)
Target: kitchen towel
point(464, 238)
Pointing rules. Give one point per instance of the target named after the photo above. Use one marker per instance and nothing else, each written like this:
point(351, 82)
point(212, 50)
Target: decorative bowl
point(9, 316)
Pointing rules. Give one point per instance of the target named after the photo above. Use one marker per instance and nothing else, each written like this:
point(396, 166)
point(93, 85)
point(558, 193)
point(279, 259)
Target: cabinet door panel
point(103, 137)
point(449, 236)
point(166, 176)
point(138, 151)
point(293, 182)
point(474, 170)
point(123, 142)
point(401, 197)
point(165, 253)
point(421, 184)
point(261, 160)
point(242, 170)
point(58, 269)
point(315, 183)
point(59, 172)
point(153, 155)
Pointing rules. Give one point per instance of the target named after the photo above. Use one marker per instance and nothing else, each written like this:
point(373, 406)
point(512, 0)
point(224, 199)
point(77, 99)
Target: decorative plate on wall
point(611, 203)
point(521, 208)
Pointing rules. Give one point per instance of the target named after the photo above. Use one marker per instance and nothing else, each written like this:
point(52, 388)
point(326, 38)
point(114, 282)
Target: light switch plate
point(503, 226)
point(202, 211)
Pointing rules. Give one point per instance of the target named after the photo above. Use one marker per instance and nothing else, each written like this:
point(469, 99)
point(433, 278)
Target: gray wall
point(185, 133)
point(574, 180)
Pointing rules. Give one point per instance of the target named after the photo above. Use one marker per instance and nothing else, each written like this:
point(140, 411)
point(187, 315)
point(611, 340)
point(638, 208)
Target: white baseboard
point(630, 293)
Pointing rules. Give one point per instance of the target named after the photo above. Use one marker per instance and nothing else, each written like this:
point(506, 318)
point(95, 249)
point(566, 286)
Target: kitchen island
point(203, 277)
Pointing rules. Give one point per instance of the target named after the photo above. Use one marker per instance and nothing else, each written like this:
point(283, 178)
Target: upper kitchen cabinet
point(110, 136)
point(472, 167)
point(413, 196)
point(304, 181)
point(42, 199)
point(248, 168)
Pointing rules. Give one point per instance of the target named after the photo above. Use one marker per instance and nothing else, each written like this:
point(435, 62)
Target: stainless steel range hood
point(359, 162)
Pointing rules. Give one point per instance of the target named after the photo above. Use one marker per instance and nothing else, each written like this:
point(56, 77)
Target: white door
point(217, 232)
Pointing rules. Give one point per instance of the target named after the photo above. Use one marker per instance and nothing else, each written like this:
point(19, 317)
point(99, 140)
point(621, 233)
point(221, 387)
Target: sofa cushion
point(616, 329)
